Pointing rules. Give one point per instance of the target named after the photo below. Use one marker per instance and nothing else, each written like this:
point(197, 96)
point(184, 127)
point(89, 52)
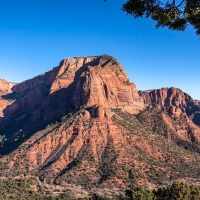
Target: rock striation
point(174, 100)
point(83, 123)
point(197, 102)
point(99, 82)
point(5, 88)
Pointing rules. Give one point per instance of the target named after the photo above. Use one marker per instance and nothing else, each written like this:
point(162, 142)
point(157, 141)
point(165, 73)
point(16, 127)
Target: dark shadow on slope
point(107, 169)
point(175, 148)
point(55, 155)
point(85, 154)
point(196, 118)
point(15, 96)
point(20, 124)
point(152, 120)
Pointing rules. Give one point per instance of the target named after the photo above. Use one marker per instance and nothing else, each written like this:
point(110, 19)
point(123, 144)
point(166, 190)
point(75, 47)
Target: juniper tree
point(174, 14)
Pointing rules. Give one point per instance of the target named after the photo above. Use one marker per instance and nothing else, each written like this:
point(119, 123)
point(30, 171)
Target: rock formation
point(174, 100)
point(97, 81)
point(5, 88)
point(197, 102)
point(83, 123)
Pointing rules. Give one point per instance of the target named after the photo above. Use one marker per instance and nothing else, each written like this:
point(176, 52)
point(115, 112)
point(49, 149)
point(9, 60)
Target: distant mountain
point(84, 124)
point(197, 102)
point(173, 100)
point(5, 87)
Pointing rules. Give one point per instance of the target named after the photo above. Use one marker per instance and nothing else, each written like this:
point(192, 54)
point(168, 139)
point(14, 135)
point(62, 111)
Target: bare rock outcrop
point(197, 102)
point(96, 81)
point(107, 84)
point(84, 123)
point(4, 87)
point(174, 100)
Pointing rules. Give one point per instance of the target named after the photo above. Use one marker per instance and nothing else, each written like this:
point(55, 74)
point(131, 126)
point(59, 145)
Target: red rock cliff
point(5, 87)
point(174, 100)
point(98, 81)
point(99, 145)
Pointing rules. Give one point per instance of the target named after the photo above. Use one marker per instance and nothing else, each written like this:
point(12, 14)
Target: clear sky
point(36, 34)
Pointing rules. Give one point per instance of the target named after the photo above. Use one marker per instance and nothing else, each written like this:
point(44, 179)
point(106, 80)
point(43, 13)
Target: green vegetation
point(175, 191)
point(140, 193)
point(2, 140)
point(24, 189)
point(68, 115)
point(176, 162)
point(175, 15)
point(178, 191)
point(108, 169)
point(29, 189)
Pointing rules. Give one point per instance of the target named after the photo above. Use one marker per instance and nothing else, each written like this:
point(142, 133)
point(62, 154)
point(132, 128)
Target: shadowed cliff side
point(95, 81)
point(174, 100)
point(84, 124)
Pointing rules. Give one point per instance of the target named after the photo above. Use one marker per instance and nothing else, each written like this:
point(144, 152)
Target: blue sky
point(35, 35)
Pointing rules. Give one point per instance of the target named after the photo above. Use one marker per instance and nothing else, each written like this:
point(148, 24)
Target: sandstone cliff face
point(97, 153)
point(197, 102)
point(97, 81)
point(174, 100)
point(106, 84)
point(4, 87)
point(104, 134)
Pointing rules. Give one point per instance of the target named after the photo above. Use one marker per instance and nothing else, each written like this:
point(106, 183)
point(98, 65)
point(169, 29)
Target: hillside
point(83, 124)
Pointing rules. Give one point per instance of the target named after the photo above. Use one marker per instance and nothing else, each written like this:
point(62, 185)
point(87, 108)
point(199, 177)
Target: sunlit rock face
point(98, 81)
point(174, 100)
point(5, 88)
point(84, 123)
point(107, 84)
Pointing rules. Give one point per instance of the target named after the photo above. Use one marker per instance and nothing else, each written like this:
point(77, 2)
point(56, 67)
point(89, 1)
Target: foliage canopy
point(174, 14)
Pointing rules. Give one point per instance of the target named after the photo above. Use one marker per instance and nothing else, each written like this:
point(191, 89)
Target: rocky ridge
point(97, 81)
point(173, 100)
point(197, 102)
point(84, 124)
point(5, 88)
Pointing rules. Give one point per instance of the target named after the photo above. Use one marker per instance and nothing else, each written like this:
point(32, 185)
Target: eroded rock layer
point(84, 124)
point(96, 81)
point(96, 153)
point(5, 88)
point(175, 101)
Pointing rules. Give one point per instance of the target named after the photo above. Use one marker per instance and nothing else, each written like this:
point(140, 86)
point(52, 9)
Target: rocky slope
point(5, 88)
point(175, 101)
point(100, 154)
point(97, 81)
point(83, 124)
point(197, 102)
